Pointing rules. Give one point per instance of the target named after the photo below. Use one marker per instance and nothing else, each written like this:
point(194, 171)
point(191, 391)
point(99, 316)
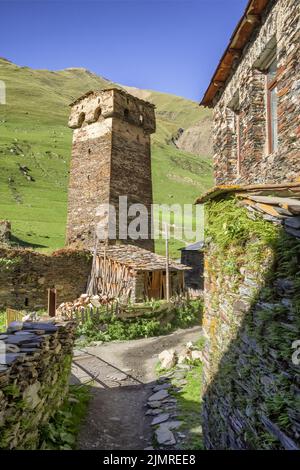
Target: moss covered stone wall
point(35, 365)
point(251, 319)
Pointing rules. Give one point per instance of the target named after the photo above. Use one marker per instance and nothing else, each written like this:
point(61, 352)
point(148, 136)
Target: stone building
point(133, 274)
point(111, 157)
point(255, 95)
point(193, 256)
point(251, 276)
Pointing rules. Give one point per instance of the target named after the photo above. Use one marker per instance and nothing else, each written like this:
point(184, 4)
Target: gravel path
point(123, 375)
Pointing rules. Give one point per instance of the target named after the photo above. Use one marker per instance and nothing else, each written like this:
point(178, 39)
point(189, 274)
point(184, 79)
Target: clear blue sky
point(166, 45)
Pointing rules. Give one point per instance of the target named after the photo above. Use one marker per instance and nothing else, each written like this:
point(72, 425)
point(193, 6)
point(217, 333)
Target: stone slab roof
point(138, 258)
point(283, 189)
point(249, 22)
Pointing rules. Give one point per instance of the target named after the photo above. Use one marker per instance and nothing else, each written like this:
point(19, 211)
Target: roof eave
point(240, 37)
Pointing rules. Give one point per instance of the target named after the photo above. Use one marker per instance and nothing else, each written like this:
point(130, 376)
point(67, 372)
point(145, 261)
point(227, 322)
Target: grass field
point(34, 135)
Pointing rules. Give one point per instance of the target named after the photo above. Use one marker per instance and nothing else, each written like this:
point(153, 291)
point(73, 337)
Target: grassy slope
point(34, 133)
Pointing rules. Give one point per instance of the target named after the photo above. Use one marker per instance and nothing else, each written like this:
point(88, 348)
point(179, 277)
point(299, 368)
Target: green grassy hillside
point(35, 146)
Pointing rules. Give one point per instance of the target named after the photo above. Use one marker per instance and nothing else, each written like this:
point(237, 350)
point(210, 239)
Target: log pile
point(84, 302)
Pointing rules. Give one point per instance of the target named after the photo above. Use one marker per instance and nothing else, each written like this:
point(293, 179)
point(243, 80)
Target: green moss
point(254, 370)
point(227, 224)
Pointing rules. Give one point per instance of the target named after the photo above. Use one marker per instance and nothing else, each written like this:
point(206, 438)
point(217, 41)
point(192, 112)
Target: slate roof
point(277, 203)
point(138, 258)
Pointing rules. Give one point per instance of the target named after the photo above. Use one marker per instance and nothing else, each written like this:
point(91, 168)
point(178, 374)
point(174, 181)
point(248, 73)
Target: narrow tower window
point(272, 128)
point(81, 119)
point(97, 113)
point(126, 113)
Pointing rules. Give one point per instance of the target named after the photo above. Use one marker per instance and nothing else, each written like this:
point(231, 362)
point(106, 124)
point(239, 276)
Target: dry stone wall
point(280, 29)
point(251, 320)
point(35, 364)
point(26, 275)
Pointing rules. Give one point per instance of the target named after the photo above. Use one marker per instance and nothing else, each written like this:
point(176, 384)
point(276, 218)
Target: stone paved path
point(123, 375)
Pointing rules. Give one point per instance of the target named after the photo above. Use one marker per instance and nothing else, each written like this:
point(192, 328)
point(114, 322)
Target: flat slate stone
point(48, 327)
point(160, 418)
point(154, 404)
point(154, 411)
point(293, 222)
point(171, 424)
point(9, 358)
point(161, 395)
point(159, 387)
point(20, 339)
point(164, 436)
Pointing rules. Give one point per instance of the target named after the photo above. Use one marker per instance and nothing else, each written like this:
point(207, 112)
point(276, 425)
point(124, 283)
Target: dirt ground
point(123, 375)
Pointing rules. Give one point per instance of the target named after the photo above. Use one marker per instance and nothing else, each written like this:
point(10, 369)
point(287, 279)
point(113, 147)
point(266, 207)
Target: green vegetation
point(61, 431)
point(228, 224)
point(107, 328)
point(34, 134)
point(189, 408)
point(256, 259)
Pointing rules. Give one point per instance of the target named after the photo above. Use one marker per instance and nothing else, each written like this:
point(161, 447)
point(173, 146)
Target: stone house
point(251, 316)
point(255, 96)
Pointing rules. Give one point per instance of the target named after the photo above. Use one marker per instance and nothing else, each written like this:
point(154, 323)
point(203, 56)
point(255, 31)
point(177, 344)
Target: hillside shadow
point(250, 402)
point(18, 242)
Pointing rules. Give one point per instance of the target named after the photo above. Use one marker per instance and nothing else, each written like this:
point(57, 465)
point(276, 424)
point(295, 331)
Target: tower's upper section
point(112, 103)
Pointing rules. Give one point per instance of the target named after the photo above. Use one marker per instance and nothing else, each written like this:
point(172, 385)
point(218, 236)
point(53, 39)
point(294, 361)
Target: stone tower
point(111, 157)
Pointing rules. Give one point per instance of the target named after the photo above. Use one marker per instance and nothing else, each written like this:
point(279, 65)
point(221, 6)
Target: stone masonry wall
point(26, 275)
point(5, 231)
point(251, 319)
point(35, 364)
point(281, 26)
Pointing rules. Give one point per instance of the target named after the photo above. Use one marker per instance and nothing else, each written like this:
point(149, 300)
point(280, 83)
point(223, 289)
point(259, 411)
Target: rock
point(293, 222)
point(154, 404)
point(149, 448)
point(12, 348)
point(3, 337)
point(184, 366)
point(284, 286)
point(9, 358)
point(118, 378)
point(171, 424)
point(161, 395)
point(160, 419)
point(30, 395)
point(159, 387)
point(154, 412)
point(181, 359)
point(167, 358)
point(164, 436)
point(196, 355)
point(181, 382)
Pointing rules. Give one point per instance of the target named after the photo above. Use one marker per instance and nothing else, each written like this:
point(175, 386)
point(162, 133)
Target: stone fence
point(35, 364)
point(26, 275)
